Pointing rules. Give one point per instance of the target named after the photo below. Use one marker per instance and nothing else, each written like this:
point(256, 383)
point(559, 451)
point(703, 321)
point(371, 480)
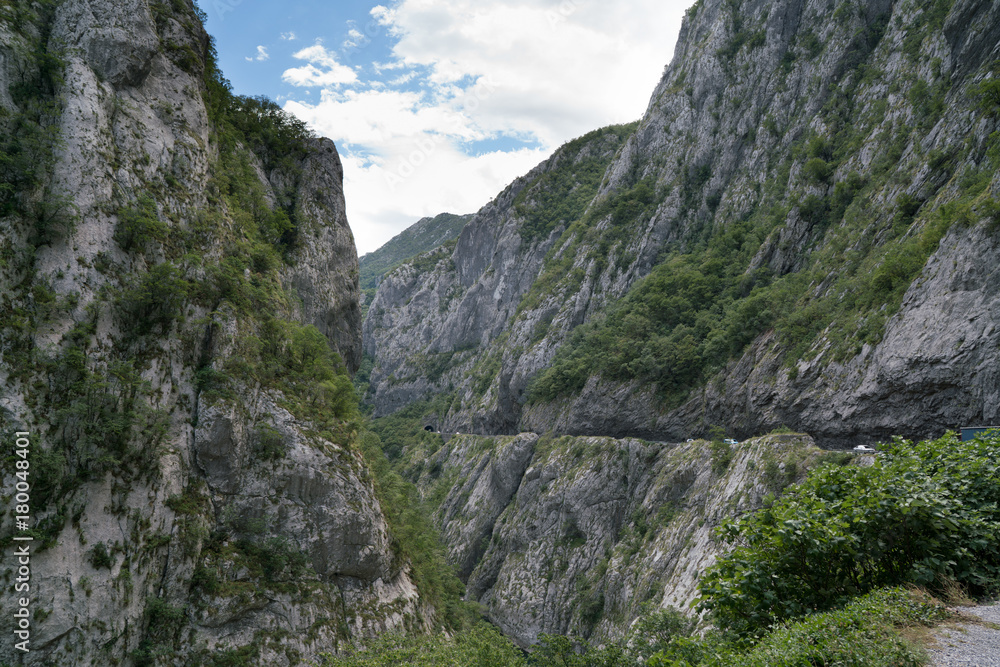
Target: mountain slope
point(420, 237)
point(434, 320)
point(800, 231)
point(180, 309)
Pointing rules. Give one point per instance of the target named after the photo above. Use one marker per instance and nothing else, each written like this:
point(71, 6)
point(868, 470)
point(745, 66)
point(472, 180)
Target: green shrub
point(924, 514)
point(865, 632)
point(811, 43)
point(155, 303)
point(988, 93)
point(274, 559)
point(99, 556)
point(138, 225)
point(721, 455)
point(817, 170)
point(162, 626)
point(29, 135)
point(990, 209)
point(191, 502)
point(414, 538)
point(561, 651)
point(662, 631)
point(562, 194)
point(481, 646)
point(268, 444)
point(907, 207)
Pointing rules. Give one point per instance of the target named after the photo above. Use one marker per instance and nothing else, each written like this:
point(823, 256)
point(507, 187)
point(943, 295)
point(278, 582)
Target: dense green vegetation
point(482, 646)
point(414, 537)
point(562, 194)
point(389, 446)
point(28, 133)
point(865, 633)
point(924, 514)
point(405, 428)
point(277, 138)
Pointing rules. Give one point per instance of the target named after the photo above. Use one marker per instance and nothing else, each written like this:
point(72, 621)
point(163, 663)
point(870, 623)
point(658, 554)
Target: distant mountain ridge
point(422, 236)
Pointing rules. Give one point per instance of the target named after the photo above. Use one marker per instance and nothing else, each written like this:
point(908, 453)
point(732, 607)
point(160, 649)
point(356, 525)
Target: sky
point(436, 105)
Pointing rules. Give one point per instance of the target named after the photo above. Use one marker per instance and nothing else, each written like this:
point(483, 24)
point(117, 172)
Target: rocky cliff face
point(934, 370)
point(323, 267)
point(180, 312)
point(434, 324)
point(572, 535)
point(823, 176)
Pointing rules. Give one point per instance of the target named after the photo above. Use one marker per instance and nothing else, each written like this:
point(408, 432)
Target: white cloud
point(447, 181)
point(331, 74)
point(318, 55)
point(468, 70)
point(380, 119)
point(262, 55)
point(383, 15)
point(355, 39)
point(288, 36)
point(559, 68)
point(403, 79)
point(402, 159)
point(389, 66)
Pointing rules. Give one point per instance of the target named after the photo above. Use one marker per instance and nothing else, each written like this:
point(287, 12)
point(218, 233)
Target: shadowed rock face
point(244, 523)
point(748, 89)
point(118, 40)
point(324, 268)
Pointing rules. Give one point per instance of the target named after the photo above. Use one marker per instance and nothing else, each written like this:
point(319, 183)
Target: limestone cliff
point(801, 230)
point(572, 535)
point(441, 323)
point(179, 298)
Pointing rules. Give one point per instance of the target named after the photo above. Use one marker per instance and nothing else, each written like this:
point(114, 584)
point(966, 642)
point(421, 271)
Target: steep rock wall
point(434, 323)
point(572, 535)
point(187, 501)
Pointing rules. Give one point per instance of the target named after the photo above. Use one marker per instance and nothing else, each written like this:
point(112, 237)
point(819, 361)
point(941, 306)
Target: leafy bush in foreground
point(482, 646)
point(925, 514)
point(863, 633)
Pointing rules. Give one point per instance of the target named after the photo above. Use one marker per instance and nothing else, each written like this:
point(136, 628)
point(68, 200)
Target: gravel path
point(970, 644)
